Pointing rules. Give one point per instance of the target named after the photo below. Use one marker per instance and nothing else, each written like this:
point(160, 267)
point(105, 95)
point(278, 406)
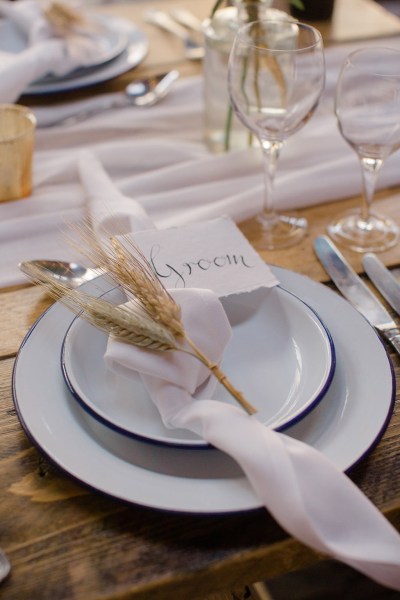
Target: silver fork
point(187, 19)
point(193, 50)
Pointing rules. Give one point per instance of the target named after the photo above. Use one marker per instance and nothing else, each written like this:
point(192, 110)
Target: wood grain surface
point(66, 542)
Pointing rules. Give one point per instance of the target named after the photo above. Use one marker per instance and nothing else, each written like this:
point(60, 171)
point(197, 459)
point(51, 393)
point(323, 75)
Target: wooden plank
point(70, 543)
point(361, 19)
point(19, 307)
point(66, 542)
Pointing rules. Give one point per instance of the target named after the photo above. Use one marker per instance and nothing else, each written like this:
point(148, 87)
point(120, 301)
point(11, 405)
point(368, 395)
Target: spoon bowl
point(5, 566)
point(70, 273)
point(146, 92)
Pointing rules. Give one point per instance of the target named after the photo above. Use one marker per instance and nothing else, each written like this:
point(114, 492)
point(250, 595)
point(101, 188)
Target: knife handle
point(393, 337)
point(75, 112)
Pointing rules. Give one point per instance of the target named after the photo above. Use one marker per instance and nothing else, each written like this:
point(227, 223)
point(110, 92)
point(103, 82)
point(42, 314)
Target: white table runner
point(157, 156)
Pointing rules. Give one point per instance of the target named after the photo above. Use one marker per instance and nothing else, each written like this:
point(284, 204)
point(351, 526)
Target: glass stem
point(271, 152)
point(370, 169)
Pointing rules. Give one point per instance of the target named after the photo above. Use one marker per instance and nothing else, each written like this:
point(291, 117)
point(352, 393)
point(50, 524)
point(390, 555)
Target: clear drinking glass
point(276, 74)
point(367, 107)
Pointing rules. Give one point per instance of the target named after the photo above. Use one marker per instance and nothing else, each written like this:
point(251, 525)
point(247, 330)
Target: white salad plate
point(124, 47)
point(280, 356)
point(345, 426)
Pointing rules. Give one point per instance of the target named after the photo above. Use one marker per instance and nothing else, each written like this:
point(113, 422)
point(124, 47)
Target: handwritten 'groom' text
point(180, 274)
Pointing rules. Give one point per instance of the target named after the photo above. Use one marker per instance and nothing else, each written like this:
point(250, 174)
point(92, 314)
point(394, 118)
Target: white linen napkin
point(306, 494)
point(111, 212)
point(47, 52)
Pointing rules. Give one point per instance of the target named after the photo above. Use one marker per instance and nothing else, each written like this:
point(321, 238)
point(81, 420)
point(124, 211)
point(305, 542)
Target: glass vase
point(222, 129)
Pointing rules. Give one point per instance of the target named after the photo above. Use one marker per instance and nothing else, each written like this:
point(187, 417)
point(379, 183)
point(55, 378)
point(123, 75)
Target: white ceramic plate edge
point(130, 57)
point(290, 419)
point(333, 433)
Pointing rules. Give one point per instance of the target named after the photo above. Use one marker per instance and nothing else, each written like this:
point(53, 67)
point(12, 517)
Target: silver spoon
point(69, 273)
point(140, 92)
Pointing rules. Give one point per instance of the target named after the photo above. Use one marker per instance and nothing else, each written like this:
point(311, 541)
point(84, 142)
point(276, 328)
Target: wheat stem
point(222, 378)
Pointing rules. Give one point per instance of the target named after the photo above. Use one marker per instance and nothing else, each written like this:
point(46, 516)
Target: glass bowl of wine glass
point(276, 74)
point(367, 107)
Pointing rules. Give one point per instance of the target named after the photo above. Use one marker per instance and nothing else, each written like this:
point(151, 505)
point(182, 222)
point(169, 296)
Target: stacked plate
point(281, 357)
point(300, 353)
point(121, 47)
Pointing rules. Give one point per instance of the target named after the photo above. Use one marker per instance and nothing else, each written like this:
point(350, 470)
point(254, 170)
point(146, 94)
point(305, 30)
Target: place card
point(211, 254)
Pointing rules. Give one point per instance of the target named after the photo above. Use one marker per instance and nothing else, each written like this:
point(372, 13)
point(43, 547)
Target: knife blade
point(383, 280)
point(355, 290)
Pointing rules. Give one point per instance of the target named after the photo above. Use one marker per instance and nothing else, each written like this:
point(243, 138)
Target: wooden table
point(65, 542)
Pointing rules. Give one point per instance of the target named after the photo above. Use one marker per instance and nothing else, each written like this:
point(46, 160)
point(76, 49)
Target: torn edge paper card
point(210, 254)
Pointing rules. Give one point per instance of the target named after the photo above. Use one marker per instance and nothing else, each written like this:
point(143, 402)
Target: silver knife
point(355, 290)
point(383, 280)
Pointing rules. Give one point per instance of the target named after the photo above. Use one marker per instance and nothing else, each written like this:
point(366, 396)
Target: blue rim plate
point(111, 35)
point(344, 427)
point(129, 48)
point(281, 357)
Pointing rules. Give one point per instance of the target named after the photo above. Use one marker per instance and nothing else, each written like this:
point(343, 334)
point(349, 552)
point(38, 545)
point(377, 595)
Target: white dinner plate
point(134, 50)
point(112, 39)
point(280, 356)
point(344, 427)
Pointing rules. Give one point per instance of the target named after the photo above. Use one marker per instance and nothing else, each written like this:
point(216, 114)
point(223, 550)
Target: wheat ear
point(152, 319)
point(127, 324)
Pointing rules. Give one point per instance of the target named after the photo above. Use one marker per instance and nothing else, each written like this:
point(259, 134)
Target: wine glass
point(276, 74)
point(367, 107)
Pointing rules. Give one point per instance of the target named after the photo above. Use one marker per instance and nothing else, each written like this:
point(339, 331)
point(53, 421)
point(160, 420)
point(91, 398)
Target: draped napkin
point(306, 494)
point(47, 51)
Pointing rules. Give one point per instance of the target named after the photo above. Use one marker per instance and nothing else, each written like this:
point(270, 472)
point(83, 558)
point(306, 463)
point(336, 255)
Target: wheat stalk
point(65, 19)
point(152, 318)
point(129, 268)
point(62, 17)
point(127, 323)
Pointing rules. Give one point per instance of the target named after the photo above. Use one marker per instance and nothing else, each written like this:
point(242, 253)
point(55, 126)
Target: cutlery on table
point(69, 273)
point(356, 291)
point(140, 92)
point(5, 566)
point(187, 19)
point(383, 280)
point(193, 50)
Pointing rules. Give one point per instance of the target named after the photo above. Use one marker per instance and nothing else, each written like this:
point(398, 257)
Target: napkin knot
point(174, 379)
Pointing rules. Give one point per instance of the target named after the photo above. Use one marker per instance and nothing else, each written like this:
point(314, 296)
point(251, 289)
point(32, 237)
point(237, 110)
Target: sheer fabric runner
point(157, 157)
